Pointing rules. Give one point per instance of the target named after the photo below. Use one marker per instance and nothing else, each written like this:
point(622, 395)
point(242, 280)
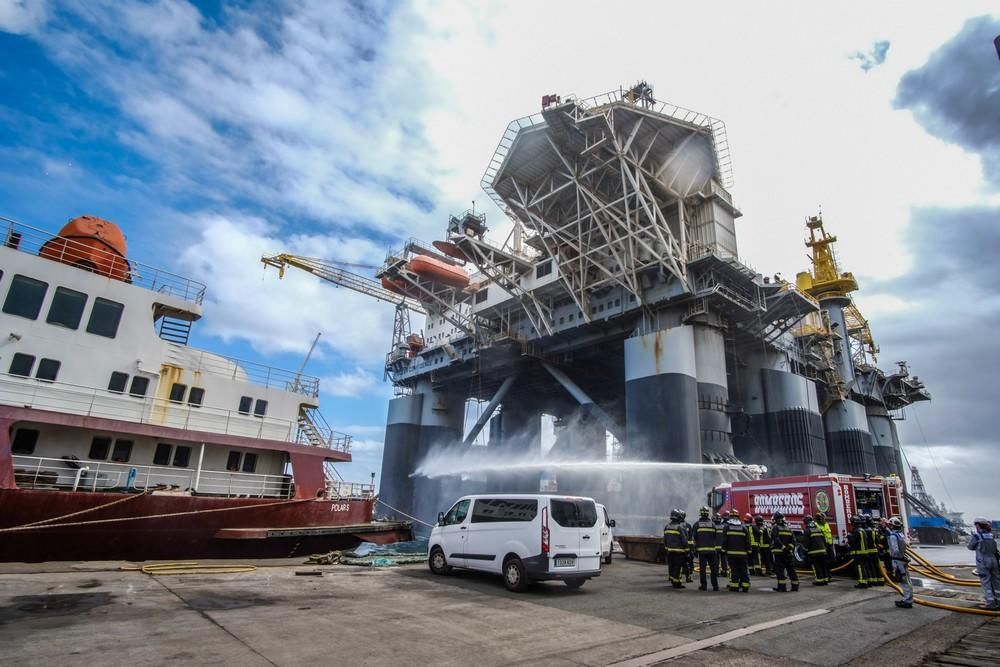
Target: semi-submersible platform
point(619, 305)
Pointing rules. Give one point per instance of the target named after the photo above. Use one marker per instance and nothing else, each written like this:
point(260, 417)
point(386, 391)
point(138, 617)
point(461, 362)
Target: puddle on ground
point(59, 604)
point(233, 601)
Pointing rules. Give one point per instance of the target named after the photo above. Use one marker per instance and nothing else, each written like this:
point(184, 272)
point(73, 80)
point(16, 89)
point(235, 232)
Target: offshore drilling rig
point(619, 305)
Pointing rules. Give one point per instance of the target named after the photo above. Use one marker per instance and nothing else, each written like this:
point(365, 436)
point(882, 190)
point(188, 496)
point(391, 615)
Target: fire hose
point(928, 569)
point(939, 605)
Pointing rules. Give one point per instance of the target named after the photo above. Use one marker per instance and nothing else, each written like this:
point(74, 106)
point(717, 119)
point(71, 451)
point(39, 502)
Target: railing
point(91, 402)
point(313, 426)
point(41, 472)
point(500, 154)
point(200, 361)
point(30, 240)
point(341, 489)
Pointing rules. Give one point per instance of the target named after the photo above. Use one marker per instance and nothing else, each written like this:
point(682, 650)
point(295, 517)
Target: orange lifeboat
point(399, 287)
point(450, 249)
point(439, 272)
point(90, 243)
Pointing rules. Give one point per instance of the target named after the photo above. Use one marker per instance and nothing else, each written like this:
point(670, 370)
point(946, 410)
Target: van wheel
point(607, 559)
point(437, 562)
point(575, 583)
point(514, 576)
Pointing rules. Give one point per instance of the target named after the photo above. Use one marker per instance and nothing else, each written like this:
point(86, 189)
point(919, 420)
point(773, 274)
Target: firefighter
point(984, 543)
point(815, 543)
point(705, 544)
point(824, 525)
point(875, 577)
point(736, 545)
point(689, 560)
point(783, 549)
point(764, 540)
point(675, 542)
point(753, 559)
point(884, 531)
point(723, 561)
point(858, 544)
point(896, 546)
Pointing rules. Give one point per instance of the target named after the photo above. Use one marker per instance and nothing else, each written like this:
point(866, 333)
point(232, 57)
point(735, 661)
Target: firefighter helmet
point(747, 518)
point(705, 511)
point(759, 520)
point(778, 517)
point(896, 523)
point(675, 515)
point(808, 520)
point(735, 513)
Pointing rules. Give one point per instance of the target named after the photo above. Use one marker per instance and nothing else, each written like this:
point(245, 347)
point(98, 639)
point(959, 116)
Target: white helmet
point(896, 522)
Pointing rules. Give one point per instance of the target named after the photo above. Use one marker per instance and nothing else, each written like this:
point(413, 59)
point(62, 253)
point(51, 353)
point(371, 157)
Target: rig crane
point(333, 271)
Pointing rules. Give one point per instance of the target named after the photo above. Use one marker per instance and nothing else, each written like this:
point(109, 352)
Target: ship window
point(117, 382)
point(162, 455)
point(177, 391)
point(249, 462)
point(245, 403)
point(122, 451)
point(618, 302)
point(543, 269)
point(25, 297)
point(481, 295)
point(196, 396)
point(99, 449)
point(233, 462)
point(181, 457)
point(48, 369)
point(139, 386)
point(105, 317)
point(21, 364)
point(67, 308)
point(24, 442)
point(260, 408)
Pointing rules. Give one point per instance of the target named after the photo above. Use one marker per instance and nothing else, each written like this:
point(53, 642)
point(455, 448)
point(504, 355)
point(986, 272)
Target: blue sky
point(214, 132)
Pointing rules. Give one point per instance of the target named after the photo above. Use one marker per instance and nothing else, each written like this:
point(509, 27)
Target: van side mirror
point(611, 523)
point(440, 518)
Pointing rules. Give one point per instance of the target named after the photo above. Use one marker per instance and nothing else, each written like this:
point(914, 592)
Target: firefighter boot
point(780, 588)
point(795, 586)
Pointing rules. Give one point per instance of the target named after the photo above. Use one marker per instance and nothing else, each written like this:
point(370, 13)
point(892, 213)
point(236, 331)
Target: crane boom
point(331, 272)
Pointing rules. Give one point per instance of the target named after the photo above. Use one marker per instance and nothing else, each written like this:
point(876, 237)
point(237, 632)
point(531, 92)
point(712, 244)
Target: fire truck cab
point(838, 496)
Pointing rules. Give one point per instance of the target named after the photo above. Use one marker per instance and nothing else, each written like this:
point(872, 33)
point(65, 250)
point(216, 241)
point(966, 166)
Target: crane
point(332, 271)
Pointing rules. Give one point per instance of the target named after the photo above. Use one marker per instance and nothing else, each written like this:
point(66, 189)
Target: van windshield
point(574, 512)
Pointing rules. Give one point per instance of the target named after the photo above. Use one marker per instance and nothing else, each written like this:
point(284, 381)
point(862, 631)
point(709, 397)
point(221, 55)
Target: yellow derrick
point(826, 280)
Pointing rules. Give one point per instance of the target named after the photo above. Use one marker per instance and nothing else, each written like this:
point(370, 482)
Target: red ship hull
point(199, 526)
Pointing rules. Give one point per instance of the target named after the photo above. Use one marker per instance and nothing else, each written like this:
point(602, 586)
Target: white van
point(524, 537)
point(607, 538)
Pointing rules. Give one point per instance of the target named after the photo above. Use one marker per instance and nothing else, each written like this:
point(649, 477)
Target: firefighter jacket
point(675, 537)
point(857, 542)
point(704, 536)
point(760, 537)
point(689, 532)
point(782, 538)
point(881, 540)
point(736, 539)
point(827, 533)
point(720, 537)
point(870, 537)
point(814, 541)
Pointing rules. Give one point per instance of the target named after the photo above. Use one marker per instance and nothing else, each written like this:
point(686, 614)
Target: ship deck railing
point(93, 402)
point(201, 361)
point(28, 239)
point(74, 474)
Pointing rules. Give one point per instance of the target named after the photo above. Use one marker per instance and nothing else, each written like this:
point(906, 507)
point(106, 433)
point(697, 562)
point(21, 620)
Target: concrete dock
point(96, 613)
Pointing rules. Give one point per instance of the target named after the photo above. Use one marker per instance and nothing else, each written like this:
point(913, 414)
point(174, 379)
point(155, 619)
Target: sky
point(215, 132)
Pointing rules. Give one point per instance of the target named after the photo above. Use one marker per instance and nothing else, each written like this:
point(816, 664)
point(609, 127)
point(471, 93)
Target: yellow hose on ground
point(161, 569)
point(935, 572)
point(939, 605)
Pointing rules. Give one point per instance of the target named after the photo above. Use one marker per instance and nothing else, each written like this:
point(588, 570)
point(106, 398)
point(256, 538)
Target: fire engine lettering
point(786, 503)
point(340, 507)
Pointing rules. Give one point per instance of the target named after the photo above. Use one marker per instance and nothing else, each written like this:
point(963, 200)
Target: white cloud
point(353, 384)
point(246, 302)
point(22, 17)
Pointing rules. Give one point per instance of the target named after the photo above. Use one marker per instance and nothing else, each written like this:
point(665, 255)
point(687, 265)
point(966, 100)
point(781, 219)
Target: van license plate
point(565, 562)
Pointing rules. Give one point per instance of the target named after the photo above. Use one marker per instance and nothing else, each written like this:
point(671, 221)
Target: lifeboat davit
point(91, 243)
point(450, 249)
point(439, 272)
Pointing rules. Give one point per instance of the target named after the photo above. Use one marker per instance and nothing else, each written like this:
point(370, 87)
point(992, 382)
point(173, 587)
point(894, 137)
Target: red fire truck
point(837, 496)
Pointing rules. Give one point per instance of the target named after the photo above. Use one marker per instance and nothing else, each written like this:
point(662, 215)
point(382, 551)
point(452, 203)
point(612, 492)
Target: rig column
point(713, 394)
point(883, 444)
point(442, 417)
point(402, 440)
point(661, 396)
